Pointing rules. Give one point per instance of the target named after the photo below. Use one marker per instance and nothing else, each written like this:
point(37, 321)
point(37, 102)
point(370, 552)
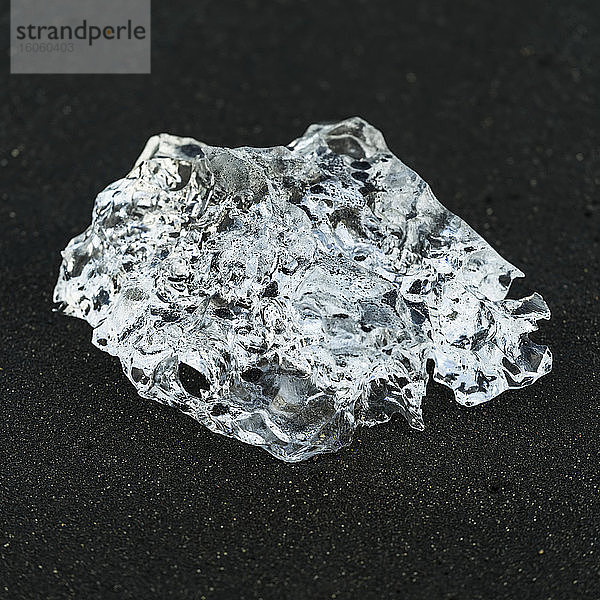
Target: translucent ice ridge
point(283, 296)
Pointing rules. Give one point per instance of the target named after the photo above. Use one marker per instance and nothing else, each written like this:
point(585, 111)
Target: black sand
point(106, 495)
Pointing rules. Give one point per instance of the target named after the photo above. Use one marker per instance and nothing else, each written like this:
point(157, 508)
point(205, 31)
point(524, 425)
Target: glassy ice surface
point(284, 296)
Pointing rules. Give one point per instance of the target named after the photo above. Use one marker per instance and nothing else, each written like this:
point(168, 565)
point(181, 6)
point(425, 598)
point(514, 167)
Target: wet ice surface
point(285, 296)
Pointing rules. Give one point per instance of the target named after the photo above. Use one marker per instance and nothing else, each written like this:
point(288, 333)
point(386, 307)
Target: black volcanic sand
point(106, 495)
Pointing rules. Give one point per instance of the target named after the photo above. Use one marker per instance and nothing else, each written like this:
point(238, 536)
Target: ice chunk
point(285, 296)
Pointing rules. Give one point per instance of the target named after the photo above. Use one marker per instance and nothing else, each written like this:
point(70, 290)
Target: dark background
point(106, 495)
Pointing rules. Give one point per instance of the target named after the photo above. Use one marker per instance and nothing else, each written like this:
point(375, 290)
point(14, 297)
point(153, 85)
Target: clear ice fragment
point(283, 296)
